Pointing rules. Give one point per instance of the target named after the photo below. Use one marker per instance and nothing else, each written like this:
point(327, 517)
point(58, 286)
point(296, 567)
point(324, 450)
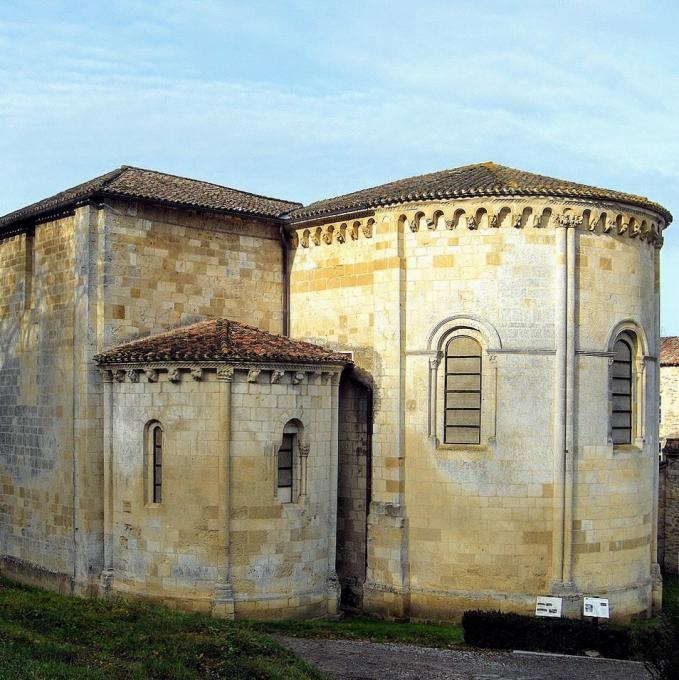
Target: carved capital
point(225, 373)
point(276, 376)
point(434, 362)
point(175, 375)
point(297, 378)
point(253, 374)
point(304, 450)
point(197, 373)
point(151, 375)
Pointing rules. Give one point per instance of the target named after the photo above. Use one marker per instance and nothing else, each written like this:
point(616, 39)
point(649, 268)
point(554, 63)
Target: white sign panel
point(548, 606)
point(596, 606)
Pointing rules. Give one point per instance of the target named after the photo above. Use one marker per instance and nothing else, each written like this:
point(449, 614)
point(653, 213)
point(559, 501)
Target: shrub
point(496, 630)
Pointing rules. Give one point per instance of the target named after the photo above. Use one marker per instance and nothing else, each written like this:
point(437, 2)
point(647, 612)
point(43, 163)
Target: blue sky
point(305, 100)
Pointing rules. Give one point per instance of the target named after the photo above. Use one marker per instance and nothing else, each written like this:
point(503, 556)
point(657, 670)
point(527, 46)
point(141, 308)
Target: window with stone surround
point(463, 385)
point(622, 384)
point(153, 467)
point(285, 465)
point(463, 369)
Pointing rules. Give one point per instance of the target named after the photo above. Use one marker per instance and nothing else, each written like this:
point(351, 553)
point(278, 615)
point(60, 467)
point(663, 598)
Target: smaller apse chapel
point(433, 395)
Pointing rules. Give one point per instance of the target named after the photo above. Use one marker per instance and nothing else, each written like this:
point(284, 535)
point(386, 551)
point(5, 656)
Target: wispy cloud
point(305, 99)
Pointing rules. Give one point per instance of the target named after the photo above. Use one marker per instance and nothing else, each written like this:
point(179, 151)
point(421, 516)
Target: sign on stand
point(596, 606)
point(548, 606)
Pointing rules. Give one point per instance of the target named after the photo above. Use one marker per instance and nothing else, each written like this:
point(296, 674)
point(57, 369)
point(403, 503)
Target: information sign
point(548, 606)
point(596, 606)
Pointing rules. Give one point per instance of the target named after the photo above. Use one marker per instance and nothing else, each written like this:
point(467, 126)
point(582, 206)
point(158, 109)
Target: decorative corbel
point(537, 221)
point(325, 377)
point(367, 230)
point(327, 237)
point(305, 239)
point(225, 373)
point(450, 224)
point(253, 374)
point(431, 225)
point(413, 224)
point(276, 376)
point(297, 378)
point(197, 373)
point(517, 220)
point(119, 375)
point(151, 375)
point(174, 374)
point(624, 226)
point(133, 375)
point(316, 237)
point(472, 223)
point(494, 222)
point(609, 226)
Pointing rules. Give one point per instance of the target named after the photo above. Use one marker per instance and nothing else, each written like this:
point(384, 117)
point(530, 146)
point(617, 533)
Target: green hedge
point(496, 630)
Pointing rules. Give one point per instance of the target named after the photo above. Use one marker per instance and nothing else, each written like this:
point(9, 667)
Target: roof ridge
point(214, 184)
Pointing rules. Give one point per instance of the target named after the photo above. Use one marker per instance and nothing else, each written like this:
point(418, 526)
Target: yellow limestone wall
point(669, 399)
point(83, 283)
point(459, 527)
point(215, 523)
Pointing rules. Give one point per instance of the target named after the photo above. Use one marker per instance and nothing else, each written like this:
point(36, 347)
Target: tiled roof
point(158, 187)
point(669, 351)
point(220, 340)
point(483, 179)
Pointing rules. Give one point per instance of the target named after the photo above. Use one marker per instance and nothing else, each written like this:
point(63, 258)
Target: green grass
point(48, 636)
point(364, 628)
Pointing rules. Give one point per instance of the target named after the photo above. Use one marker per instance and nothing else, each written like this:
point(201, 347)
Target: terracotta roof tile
point(482, 179)
point(220, 340)
point(159, 187)
point(669, 351)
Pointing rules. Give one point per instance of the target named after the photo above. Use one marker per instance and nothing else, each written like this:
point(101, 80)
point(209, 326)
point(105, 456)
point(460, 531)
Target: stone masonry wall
point(353, 490)
point(280, 553)
point(168, 268)
point(669, 402)
point(36, 403)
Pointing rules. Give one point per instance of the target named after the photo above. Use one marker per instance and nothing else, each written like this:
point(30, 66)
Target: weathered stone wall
point(353, 495)
point(669, 402)
point(36, 401)
point(168, 268)
point(669, 514)
point(458, 526)
point(281, 555)
point(80, 284)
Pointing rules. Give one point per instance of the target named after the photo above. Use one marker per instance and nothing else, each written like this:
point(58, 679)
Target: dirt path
point(388, 661)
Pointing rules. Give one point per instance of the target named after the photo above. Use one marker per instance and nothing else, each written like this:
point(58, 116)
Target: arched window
point(462, 423)
point(154, 462)
point(622, 391)
point(285, 464)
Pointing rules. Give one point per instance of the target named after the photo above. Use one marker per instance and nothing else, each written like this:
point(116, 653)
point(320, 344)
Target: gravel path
point(389, 661)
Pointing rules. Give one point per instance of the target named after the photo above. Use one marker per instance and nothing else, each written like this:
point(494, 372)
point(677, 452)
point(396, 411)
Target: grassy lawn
point(47, 636)
point(364, 628)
